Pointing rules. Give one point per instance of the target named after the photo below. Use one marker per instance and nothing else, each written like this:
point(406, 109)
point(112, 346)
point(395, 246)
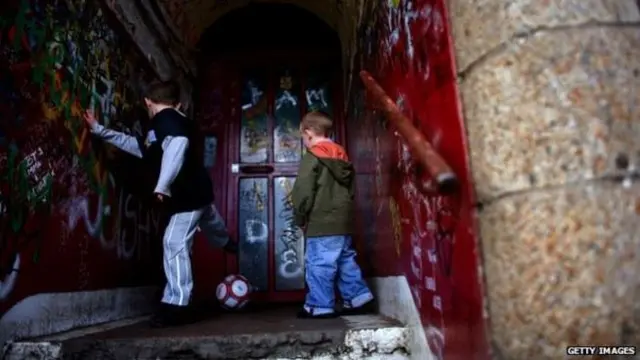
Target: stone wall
point(550, 97)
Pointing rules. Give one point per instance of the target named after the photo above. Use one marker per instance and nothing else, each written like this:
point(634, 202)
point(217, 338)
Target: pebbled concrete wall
point(550, 98)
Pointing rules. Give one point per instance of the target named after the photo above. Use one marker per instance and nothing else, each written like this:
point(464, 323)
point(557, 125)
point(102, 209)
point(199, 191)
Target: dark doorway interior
point(261, 68)
point(268, 27)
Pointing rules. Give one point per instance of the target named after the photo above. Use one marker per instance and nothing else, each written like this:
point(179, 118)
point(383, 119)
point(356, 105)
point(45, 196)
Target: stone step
point(273, 334)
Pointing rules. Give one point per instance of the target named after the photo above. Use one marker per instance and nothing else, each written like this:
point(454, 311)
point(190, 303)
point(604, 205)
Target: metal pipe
point(421, 149)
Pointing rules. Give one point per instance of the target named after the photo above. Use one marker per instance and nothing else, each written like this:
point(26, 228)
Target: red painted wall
point(67, 221)
point(431, 240)
point(213, 109)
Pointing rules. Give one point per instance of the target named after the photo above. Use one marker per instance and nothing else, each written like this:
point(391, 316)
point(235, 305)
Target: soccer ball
point(233, 292)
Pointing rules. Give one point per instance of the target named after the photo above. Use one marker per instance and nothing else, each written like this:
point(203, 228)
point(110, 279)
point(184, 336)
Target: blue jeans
point(331, 258)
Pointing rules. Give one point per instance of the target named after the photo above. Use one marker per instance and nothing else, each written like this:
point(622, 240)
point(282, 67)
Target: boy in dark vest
point(183, 188)
point(323, 200)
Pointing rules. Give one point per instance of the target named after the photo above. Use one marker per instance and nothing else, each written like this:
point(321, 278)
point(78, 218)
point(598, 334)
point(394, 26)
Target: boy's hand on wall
point(90, 118)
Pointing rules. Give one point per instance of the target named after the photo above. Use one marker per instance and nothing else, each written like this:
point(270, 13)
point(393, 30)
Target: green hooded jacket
point(324, 191)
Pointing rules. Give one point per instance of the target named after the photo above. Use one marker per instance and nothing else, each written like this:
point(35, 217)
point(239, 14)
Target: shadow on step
point(256, 333)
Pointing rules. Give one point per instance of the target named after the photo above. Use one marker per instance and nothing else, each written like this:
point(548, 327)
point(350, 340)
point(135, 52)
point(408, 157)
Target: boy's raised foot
point(231, 247)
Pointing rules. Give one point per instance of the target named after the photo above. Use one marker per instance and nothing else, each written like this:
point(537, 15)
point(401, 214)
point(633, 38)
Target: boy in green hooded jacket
point(323, 200)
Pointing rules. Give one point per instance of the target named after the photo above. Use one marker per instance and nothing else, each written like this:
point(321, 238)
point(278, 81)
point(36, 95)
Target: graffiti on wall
point(413, 31)
point(406, 48)
point(291, 255)
point(59, 58)
point(25, 197)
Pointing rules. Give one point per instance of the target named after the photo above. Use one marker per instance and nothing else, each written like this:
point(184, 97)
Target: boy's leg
point(212, 226)
point(354, 290)
point(321, 259)
point(177, 242)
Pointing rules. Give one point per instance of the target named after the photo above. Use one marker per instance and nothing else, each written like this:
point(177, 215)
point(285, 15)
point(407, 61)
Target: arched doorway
point(263, 66)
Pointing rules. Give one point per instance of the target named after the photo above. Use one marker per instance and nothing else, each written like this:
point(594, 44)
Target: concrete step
point(272, 334)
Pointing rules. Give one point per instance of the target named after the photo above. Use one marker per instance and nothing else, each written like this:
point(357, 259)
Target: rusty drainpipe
point(422, 151)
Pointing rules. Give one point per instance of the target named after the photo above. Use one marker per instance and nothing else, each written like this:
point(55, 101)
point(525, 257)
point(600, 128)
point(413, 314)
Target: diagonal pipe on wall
point(421, 150)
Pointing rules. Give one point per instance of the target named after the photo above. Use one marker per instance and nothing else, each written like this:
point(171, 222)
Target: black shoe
point(172, 315)
point(231, 247)
point(304, 314)
point(366, 309)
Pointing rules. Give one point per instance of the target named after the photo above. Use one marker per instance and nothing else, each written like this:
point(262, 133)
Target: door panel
point(253, 228)
point(266, 149)
point(289, 240)
point(287, 143)
point(254, 129)
point(318, 94)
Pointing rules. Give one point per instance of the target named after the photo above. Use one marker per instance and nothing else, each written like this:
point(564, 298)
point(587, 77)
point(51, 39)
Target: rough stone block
point(555, 108)
point(562, 269)
point(478, 26)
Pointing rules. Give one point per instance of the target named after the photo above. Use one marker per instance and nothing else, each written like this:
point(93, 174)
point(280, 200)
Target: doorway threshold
point(273, 333)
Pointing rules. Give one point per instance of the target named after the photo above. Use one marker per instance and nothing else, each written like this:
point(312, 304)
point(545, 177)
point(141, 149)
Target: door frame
point(236, 62)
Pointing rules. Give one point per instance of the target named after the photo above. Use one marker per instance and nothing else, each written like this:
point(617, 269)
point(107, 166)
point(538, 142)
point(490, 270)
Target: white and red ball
point(233, 292)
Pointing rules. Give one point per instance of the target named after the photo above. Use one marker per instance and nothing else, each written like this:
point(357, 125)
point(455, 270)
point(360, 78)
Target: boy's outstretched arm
point(174, 149)
point(122, 141)
point(304, 189)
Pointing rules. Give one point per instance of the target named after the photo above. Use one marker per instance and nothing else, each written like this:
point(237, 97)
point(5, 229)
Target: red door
point(263, 148)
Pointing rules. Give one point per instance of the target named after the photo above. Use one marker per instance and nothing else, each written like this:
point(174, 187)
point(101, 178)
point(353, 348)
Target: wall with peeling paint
point(73, 215)
point(429, 239)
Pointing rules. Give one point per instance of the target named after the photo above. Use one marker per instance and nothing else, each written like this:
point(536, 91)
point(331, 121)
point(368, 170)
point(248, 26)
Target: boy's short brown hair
point(163, 92)
point(318, 122)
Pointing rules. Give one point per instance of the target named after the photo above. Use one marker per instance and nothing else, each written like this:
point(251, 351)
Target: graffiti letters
point(130, 214)
point(255, 95)
point(254, 133)
point(441, 225)
point(25, 207)
point(413, 33)
point(316, 99)
point(142, 224)
point(415, 263)
point(286, 99)
point(291, 259)
point(257, 232)
point(292, 237)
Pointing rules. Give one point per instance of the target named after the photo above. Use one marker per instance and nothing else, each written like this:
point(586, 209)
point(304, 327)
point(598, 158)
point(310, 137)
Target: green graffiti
point(66, 85)
point(73, 61)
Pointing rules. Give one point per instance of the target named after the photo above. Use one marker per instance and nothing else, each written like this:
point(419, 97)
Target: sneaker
point(231, 247)
point(172, 315)
point(304, 314)
point(366, 309)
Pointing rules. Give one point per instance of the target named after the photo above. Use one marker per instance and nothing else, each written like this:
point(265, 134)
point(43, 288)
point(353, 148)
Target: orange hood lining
point(329, 150)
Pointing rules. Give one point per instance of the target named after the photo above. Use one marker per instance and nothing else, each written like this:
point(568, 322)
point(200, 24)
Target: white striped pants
point(177, 243)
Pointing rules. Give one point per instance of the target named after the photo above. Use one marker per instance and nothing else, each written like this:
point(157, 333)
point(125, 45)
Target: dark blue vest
point(192, 188)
